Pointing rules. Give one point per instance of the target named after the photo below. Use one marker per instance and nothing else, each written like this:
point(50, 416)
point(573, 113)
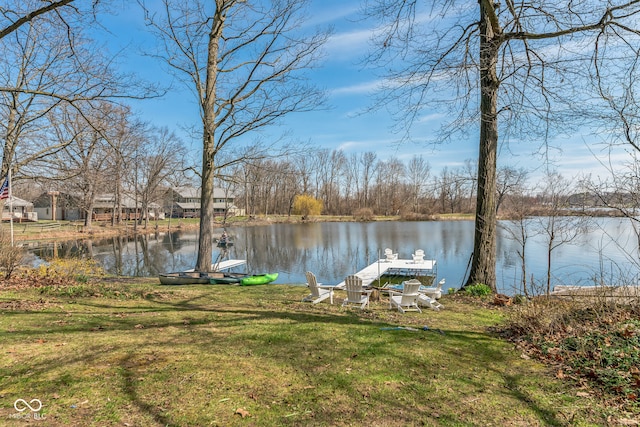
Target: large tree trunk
point(205, 242)
point(484, 248)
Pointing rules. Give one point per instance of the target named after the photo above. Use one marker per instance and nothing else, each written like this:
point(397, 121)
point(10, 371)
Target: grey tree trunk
point(205, 242)
point(484, 246)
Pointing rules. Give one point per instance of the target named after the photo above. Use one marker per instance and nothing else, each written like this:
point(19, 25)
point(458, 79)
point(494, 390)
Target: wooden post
point(53, 195)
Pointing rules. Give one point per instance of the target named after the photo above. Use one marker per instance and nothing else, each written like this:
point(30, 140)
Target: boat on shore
point(259, 279)
point(191, 277)
point(188, 277)
point(215, 278)
point(228, 279)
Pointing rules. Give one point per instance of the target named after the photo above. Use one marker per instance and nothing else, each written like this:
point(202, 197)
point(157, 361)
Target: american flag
point(4, 188)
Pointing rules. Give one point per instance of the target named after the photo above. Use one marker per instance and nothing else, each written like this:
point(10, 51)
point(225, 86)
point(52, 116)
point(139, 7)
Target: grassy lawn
point(138, 354)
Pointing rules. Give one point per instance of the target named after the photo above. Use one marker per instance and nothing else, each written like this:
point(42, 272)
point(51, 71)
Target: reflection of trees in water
point(144, 255)
point(139, 255)
point(69, 249)
point(327, 251)
point(331, 250)
point(176, 240)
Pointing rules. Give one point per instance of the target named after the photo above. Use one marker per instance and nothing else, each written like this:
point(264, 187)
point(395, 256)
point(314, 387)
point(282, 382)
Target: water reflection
point(335, 250)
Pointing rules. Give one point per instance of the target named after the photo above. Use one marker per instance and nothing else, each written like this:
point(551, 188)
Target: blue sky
point(350, 87)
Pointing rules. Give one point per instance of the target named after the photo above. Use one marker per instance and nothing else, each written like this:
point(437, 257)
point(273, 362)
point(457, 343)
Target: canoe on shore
point(188, 278)
point(259, 279)
point(215, 278)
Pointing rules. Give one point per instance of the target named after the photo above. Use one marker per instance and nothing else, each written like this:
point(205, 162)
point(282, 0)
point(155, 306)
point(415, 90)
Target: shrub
point(363, 214)
point(413, 216)
point(591, 341)
point(306, 205)
point(478, 290)
point(10, 256)
point(75, 270)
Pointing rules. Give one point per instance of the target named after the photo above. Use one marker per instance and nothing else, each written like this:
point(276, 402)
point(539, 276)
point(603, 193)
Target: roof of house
point(196, 206)
point(194, 193)
point(17, 202)
point(102, 201)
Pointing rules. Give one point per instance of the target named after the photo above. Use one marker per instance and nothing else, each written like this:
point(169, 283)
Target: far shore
point(48, 230)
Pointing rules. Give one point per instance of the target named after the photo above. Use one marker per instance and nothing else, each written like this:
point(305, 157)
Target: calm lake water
point(335, 250)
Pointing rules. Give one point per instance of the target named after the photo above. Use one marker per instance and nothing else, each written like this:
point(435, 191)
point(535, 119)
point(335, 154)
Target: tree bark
point(484, 246)
point(205, 242)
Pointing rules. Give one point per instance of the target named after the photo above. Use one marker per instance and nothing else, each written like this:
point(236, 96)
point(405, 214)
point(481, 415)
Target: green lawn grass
point(149, 355)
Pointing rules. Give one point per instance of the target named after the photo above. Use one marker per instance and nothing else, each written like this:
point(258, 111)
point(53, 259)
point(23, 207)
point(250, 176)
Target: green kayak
point(259, 279)
point(228, 279)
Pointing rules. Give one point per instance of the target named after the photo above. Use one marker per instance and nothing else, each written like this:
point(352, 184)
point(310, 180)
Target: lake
point(334, 250)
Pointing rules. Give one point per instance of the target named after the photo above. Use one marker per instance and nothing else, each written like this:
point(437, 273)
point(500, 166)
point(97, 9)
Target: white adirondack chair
point(407, 300)
point(319, 292)
point(418, 256)
point(434, 292)
point(356, 294)
point(389, 255)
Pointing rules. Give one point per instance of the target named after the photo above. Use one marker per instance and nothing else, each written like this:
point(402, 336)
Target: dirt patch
point(24, 305)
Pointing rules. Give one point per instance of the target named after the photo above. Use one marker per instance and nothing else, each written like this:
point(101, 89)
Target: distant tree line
point(132, 157)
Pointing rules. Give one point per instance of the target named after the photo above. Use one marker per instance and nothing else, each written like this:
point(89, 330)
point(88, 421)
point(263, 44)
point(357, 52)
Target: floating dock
point(402, 266)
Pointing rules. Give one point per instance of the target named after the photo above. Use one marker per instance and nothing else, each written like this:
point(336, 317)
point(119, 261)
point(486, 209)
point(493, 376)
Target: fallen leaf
point(583, 394)
point(242, 412)
point(628, 422)
point(139, 326)
point(560, 374)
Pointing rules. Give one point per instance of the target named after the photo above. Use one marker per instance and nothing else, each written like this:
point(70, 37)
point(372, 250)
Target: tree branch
point(31, 15)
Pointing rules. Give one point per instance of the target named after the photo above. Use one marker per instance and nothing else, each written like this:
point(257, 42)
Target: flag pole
point(10, 206)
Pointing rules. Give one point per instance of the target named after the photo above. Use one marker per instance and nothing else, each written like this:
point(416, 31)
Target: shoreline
point(46, 231)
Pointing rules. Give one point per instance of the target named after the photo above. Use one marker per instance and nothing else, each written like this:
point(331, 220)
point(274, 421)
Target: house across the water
point(66, 207)
point(19, 209)
point(185, 203)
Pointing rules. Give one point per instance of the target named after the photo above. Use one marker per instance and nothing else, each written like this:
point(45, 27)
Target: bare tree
point(418, 172)
point(518, 228)
point(558, 226)
point(243, 61)
point(159, 154)
point(23, 12)
point(48, 63)
point(81, 166)
point(393, 172)
point(527, 59)
point(510, 181)
point(330, 174)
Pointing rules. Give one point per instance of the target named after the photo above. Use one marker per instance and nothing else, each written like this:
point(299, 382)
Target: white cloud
point(430, 117)
point(331, 13)
point(364, 88)
point(350, 43)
